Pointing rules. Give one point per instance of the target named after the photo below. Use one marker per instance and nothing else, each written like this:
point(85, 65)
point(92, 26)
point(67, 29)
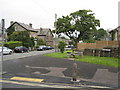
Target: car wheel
point(10, 53)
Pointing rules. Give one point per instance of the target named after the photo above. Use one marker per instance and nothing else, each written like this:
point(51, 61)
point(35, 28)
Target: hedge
point(12, 44)
point(0, 43)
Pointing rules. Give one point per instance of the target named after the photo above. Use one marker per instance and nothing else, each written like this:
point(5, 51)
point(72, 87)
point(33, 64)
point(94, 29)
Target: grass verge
point(106, 61)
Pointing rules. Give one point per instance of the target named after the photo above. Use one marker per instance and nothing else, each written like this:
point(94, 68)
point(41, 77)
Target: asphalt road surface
point(35, 65)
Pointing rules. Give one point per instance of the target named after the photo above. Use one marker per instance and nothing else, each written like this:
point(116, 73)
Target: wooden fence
point(98, 45)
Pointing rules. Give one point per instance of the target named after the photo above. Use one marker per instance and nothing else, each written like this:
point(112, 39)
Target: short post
point(93, 52)
point(74, 78)
point(81, 54)
point(99, 53)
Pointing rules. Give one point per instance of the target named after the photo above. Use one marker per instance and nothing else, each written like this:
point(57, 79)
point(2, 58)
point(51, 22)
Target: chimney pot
point(30, 24)
point(11, 22)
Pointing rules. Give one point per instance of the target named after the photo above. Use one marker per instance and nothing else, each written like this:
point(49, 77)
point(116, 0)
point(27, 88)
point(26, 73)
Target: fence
point(98, 45)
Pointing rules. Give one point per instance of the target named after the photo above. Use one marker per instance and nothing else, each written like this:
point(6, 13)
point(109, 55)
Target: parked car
point(41, 48)
point(6, 50)
point(48, 48)
point(21, 49)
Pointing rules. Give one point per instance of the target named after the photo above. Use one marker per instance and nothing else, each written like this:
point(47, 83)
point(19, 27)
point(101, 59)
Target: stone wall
point(114, 52)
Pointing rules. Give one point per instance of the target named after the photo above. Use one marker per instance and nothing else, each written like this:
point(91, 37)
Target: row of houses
point(46, 33)
point(41, 33)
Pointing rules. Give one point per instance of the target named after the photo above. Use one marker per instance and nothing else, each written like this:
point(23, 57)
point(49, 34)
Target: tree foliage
point(40, 42)
point(100, 34)
point(79, 25)
point(22, 36)
point(61, 46)
point(10, 30)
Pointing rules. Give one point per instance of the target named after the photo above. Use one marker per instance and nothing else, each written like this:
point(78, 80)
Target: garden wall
point(100, 48)
point(114, 52)
point(97, 45)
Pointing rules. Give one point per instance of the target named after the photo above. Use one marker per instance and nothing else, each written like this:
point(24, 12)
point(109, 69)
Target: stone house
point(46, 35)
point(23, 27)
point(43, 33)
point(115, 33)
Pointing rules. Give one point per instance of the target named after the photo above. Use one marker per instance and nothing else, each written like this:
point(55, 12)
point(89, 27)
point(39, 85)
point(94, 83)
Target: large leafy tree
point(79, 25)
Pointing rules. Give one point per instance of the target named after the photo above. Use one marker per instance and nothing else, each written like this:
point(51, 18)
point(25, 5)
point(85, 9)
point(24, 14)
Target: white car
point(5, 50)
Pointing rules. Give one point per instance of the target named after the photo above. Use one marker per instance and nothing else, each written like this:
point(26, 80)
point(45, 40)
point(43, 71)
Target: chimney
point(11, 22)
point(30, 24)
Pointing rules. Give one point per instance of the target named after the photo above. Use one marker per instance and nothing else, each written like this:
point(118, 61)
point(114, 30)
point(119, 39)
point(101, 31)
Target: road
point(22, 55)
point(52, 70)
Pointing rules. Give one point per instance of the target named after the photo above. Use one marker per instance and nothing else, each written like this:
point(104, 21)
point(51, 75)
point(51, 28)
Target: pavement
point(57, 73)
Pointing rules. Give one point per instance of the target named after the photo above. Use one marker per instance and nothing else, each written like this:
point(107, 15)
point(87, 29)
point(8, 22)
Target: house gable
point(21, 26)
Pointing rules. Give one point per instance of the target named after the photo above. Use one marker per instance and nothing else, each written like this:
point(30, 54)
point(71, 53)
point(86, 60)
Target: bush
point(36, 46)
point(40, 42)
point(0, 43)
point(12, 44)
point(61, 46)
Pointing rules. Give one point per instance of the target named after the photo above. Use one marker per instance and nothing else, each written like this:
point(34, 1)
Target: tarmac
point(57, 73)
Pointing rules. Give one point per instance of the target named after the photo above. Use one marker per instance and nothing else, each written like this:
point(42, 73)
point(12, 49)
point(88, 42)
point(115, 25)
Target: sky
point(41, 13)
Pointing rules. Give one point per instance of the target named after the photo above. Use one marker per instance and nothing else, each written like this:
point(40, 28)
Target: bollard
point(74, 78)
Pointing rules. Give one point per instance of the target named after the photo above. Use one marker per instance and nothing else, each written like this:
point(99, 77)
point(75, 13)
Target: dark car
point(41, 48)
point(48, 48)
point(21, 49)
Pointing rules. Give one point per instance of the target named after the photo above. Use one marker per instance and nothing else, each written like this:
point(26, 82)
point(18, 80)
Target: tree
point(78, 24)
point(61, 46)
point(10, 30)
point(100, 34)
point(22, 36)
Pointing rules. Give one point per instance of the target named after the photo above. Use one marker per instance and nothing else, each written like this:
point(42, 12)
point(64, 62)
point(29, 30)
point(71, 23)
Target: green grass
point(106, 61)
point(58, 54)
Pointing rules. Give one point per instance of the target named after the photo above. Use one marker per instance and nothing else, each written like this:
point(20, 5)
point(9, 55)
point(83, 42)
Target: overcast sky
point(41, 13)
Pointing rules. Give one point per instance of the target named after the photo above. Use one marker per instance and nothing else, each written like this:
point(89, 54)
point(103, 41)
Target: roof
point(43, 31)
point(114, 30)
point(25, 26)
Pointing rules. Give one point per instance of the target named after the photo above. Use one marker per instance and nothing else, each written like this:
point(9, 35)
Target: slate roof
point(114, 30)
point(43, 31)
point(25, 26)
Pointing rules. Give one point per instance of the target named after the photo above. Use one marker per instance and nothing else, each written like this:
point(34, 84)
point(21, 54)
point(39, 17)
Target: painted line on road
point(54, 85)
point(26, 79)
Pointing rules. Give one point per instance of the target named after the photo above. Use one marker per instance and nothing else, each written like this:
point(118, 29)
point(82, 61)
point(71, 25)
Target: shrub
point(61, 46)
point(36, 46)
point(13, 44)
point(0, 43)
point(40, 42)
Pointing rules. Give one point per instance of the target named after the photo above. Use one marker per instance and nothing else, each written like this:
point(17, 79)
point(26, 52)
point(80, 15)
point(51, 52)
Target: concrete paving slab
point(104, 76)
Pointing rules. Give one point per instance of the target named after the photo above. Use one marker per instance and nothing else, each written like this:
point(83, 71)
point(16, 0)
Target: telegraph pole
point(55, 31)
point(3, 27)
